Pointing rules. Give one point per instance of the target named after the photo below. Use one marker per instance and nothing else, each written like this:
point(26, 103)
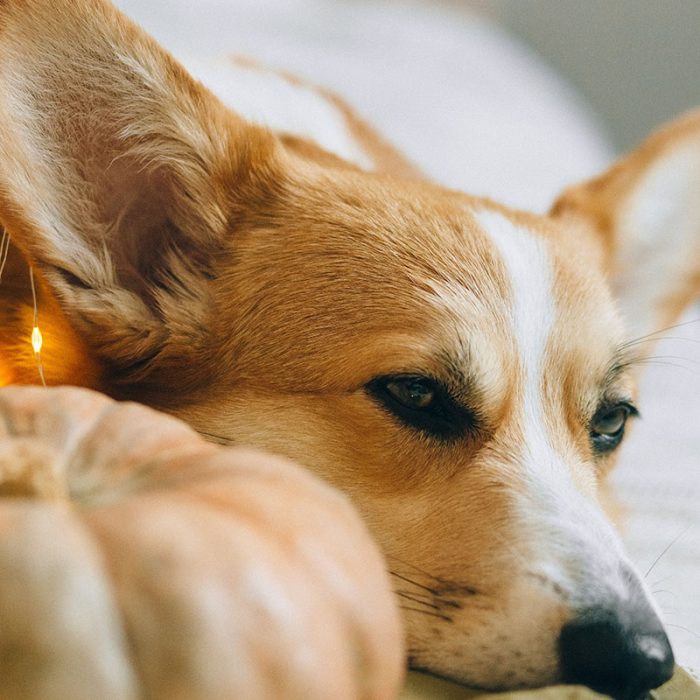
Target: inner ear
point(146, 246)
point(139, 295)
point(133, 275)
point(646, 211)
point(121, 178)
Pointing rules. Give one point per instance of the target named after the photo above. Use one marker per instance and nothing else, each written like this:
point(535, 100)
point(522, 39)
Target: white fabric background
point(659, 481)
point(480, 113)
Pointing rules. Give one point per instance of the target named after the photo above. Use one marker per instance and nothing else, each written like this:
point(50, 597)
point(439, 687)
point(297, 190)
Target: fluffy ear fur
point(120, 177)
point(646, 208)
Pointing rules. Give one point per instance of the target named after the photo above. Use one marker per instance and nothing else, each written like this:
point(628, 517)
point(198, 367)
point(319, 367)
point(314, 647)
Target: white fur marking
point(266, 98)
point(574, 545)
point(530, 275)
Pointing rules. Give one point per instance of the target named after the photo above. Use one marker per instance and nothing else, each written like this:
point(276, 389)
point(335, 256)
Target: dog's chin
point(491, 676)
point(468, 682)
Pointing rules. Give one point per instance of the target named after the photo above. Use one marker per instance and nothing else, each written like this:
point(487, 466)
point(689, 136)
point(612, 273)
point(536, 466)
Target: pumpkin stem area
point(28, 471)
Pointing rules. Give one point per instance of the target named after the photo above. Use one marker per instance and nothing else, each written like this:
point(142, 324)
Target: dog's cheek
point(344, 438)
point(431, 495)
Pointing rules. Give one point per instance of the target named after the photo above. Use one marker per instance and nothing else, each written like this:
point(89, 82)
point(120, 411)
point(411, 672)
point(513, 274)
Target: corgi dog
point(465, 372)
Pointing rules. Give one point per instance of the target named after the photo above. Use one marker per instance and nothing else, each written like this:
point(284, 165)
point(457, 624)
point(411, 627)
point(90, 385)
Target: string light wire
point(37, 339)
point(4, 251)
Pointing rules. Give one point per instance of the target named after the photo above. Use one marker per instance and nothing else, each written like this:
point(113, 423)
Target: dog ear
point(120, 176)
point(646, 209)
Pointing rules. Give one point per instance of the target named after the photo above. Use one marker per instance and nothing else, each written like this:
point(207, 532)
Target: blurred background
point(593, 76)
point(635, 61)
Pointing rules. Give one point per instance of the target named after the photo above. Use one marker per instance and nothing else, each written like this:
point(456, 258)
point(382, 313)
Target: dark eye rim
point(444, 419)
point(604, 443)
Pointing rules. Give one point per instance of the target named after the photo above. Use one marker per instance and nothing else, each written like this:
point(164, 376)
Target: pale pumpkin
point(138, 561)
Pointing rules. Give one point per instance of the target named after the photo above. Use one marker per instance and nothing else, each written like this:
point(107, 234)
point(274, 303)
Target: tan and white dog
point(460, 369)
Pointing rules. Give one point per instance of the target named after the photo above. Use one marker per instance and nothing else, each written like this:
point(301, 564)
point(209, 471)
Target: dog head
point(460, 369)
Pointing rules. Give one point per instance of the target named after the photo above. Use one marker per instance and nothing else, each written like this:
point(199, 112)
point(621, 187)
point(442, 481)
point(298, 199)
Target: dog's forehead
point(371, 285)
point(563, 328)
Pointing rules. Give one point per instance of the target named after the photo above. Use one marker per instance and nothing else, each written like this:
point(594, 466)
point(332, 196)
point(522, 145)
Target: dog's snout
point(622, 655)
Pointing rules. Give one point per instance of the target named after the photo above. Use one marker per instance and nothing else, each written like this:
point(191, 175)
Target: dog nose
point(620, 655)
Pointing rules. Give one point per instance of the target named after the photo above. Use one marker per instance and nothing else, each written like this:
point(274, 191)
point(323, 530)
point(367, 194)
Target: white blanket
point(659, 481)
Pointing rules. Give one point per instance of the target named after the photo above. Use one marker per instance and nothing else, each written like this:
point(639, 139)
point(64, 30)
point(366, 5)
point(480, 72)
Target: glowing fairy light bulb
point(37, 340)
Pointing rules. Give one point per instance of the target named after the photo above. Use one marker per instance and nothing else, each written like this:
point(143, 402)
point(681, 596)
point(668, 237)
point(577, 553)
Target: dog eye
point(414, 393)
point(608, 426)
point(421, 403)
